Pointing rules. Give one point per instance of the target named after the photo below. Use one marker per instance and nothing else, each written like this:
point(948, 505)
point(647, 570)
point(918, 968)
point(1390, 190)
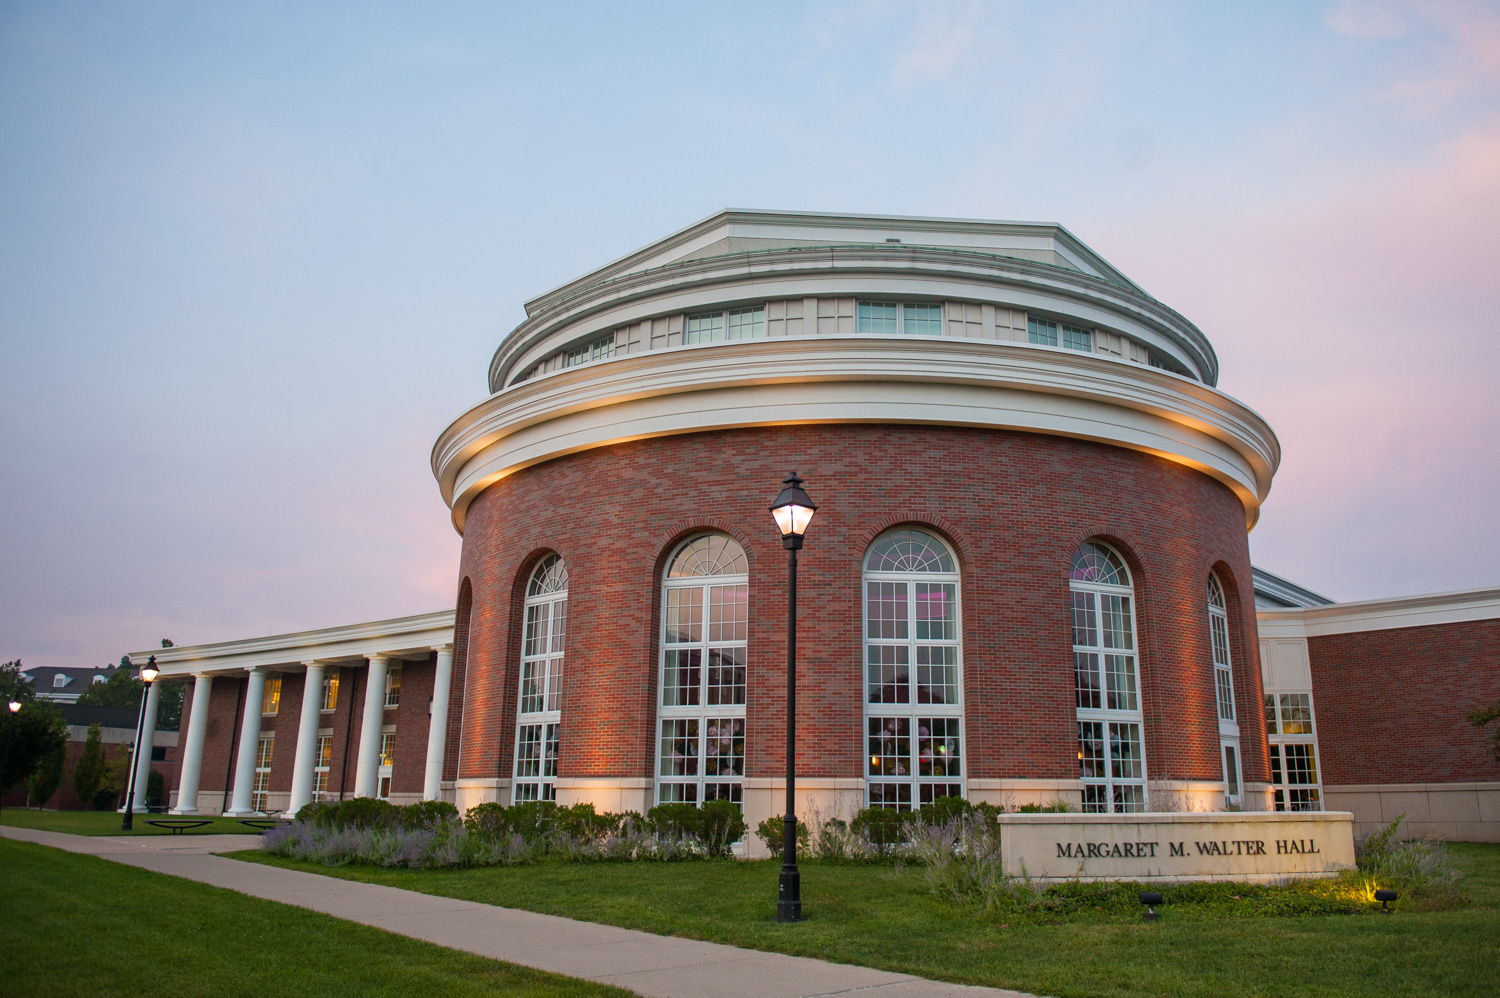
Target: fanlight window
point(1111, 757)
point(539, 714)
point(701, 703)
point(913, 675)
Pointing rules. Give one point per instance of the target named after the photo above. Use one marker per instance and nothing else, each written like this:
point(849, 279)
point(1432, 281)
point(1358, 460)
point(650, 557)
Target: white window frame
point(901, 317)
point(265, 752)
point(270, 697)
point(387, 760)
point(1116, 790)
point(330, 692)
point(322, 765)
point(1222, 665)
point(733, 324)
point(881, 746)
point(393, 686)
point(1055, 333)
point(602, 348)
point(691, 722)
point(539, 698)
point(1285, 795)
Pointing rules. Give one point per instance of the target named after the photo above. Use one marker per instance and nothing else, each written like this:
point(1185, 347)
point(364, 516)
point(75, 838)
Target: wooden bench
point(179, 825)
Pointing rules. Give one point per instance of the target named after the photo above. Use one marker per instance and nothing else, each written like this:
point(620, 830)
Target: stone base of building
point(1453, 812)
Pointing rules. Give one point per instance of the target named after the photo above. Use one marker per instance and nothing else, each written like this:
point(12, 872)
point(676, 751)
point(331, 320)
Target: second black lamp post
point(148, 676)
point(793, 511)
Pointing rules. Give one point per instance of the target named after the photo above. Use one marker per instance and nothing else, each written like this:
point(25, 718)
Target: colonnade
point(367, 765)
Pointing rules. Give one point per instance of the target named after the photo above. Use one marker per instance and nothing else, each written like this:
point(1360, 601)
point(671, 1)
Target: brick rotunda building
point(1028, 578)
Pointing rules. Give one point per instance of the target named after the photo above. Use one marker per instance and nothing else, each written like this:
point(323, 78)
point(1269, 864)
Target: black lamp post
point(793, 511)
point(10, 732)
point(148, 676)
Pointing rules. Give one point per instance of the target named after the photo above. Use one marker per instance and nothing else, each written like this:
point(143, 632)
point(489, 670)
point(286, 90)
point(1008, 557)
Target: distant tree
point(34, 732)
point(88, 772)
point(47, 776)
point(111, 793)
point(121, 689)
point(1480, 716)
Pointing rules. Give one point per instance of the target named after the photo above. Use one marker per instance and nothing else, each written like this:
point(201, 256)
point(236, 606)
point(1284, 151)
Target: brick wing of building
point(1028, 578)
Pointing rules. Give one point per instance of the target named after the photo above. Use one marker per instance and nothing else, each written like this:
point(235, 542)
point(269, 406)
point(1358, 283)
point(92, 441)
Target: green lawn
point(78, 925)
point(108, 823)
point(883, 917)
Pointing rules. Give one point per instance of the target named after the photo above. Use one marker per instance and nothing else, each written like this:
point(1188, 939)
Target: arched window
point(539, 714)
point(1111, 761)
point(1229, 729)
point(701, 706)
point(913, 672)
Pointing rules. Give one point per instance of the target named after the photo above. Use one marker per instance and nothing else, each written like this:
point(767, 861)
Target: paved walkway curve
point(650, 965)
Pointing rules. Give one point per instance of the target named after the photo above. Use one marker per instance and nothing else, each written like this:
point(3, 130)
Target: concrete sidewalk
point(655, 966)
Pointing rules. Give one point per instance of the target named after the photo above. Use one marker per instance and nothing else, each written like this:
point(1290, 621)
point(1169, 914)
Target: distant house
point(64, 684)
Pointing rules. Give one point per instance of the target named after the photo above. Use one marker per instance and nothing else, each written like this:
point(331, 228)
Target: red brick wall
point(1014, 505)
point(1390, 705)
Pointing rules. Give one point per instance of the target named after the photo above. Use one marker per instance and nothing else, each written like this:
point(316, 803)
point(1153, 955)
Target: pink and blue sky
point(254, 257)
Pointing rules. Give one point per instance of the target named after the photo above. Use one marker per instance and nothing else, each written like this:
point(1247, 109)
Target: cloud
point(944, 33)
point(1458, 51)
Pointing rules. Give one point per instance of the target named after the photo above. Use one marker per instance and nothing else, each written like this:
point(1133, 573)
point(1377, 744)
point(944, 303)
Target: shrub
point(360, 812)
point(1422, 871)
point(47, 776)
point(156, 790)
point(1055, 806)
point(88, 771)
point(835, 841)
point(486, 820)
point(772, 831)
point(884, 828)
point(722, 825)
point(676, 821)
point(427, 813)
point(944, 810)
point(581, 822)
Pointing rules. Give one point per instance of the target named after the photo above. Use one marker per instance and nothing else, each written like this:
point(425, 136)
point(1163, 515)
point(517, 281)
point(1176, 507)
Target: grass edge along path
point(78, 924)
point(885, 918)
point(108, 823)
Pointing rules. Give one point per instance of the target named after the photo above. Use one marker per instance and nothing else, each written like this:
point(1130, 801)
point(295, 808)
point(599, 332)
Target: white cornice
point(396, 637)
point(842, 379)
point(847, 270)
point(1459, 606)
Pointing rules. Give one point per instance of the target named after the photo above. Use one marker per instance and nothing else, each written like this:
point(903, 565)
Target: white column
point(367, 769)
point(143, 750)
point(192, 753)
point(437, 724)
point(307, 737)
point(242, 802)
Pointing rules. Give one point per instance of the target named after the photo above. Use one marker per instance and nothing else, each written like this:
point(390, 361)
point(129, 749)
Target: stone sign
point(1233, 845)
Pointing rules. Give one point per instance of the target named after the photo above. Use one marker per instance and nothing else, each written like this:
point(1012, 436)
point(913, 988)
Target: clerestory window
point(882, 318)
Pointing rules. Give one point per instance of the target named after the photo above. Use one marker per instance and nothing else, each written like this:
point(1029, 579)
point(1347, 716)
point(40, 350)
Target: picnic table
point(178, 825)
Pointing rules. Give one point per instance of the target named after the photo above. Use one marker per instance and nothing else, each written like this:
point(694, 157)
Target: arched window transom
point(701, 704)
point(1111, 757)
point(539, 713)
point(913, 672)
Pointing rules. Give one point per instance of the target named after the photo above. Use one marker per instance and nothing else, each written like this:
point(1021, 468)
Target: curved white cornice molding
point(849, 271)
point(851, 379)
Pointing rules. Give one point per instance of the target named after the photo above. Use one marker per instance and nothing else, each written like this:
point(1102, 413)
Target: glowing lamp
point(149, 672)
point(15, 706)
point(793, 511)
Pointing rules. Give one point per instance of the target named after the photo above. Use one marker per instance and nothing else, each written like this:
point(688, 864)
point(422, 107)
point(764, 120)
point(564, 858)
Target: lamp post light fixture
point(148, 676)
point(793, 511)
point(10, 732)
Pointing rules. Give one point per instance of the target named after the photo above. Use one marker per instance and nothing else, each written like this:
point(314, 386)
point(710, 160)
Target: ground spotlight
point(1385, 897)
point(1151, 900)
